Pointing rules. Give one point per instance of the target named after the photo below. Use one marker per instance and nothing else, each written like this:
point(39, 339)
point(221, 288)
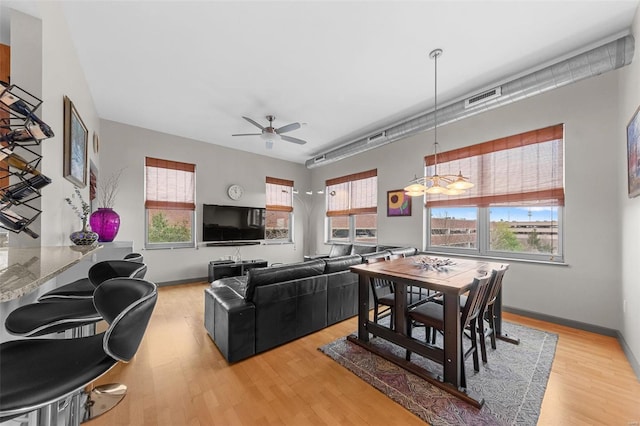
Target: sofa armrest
point(230, 321)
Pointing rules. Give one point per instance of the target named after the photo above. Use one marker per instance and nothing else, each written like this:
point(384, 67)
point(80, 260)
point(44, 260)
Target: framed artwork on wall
point(398, 203)
point(75, 145)
point(633, 154)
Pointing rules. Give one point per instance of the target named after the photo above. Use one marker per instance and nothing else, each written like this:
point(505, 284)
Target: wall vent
point(320, 158)
point(377, 136)
point(496, 92)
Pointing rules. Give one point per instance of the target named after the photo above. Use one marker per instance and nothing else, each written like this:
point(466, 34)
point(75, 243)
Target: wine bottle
point(13, 221)
point(24, 188)
point(34, 133)
point(19, 106)
point(17, 161)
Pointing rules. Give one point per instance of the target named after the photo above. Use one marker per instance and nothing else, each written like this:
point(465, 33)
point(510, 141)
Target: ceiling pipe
point(607, 57)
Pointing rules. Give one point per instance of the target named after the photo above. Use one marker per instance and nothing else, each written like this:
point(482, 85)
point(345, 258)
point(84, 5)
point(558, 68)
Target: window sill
point(502, 259)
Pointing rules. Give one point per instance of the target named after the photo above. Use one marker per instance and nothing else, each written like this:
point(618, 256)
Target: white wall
point(629, 217)
point(588, 289)
point(61, 75)
point(126, 146)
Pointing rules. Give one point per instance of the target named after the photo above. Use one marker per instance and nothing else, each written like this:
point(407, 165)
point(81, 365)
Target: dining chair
point(384, 293)
point(431, 314)
point(488, 311)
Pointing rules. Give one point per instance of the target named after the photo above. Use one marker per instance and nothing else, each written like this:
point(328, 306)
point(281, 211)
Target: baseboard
point(582, 326)
point(632, 359)
point(563, 321)
point(187, 281)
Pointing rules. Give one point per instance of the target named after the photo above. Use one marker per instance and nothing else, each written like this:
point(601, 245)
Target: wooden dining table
point(452, 281)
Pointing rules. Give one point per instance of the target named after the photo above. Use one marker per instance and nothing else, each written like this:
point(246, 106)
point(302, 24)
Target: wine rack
point(21, 130)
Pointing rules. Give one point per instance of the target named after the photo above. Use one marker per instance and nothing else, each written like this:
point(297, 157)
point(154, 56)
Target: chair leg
point(474, 349)
point(492, 324)
point(407, 354)
point(483, 343)
point(375, 313)
point(392, 323)
point(463, 375)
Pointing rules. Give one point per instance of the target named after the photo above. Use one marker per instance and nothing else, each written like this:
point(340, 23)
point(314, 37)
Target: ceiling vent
point(377, 136)
point(486, 96)
point(609, 56)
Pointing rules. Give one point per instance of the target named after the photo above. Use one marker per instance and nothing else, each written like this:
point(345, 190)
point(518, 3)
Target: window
point(279, 210)
point(169, 204)
point(515, 208)
point(352, 203)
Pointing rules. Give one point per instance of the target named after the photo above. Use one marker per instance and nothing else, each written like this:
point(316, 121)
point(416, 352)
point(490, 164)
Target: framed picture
point(76, 138)
point(398, 203)
point(633, 154)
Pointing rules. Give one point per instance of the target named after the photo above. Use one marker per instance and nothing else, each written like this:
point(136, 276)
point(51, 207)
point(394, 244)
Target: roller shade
point(169, 184)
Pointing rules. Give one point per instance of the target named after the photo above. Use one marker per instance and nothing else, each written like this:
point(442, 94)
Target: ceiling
point(342, 69)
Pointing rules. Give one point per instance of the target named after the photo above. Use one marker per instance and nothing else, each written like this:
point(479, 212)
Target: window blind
point(523, 169)
point(169, 184)
point(279, 194)
point(353, 194)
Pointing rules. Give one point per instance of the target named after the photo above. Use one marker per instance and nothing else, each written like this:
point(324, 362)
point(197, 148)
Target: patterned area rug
point(512, 383)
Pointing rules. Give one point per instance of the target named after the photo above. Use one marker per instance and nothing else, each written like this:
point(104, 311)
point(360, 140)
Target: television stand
point(228, 268)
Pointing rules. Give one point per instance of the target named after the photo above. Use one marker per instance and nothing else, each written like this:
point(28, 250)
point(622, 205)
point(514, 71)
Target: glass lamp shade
point(454, 191)
point(106, 223)
point(415, 190)
point(460, 183)
point(436, 189)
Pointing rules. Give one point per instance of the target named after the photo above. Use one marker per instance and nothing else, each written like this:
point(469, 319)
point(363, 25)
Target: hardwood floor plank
point(179, 377)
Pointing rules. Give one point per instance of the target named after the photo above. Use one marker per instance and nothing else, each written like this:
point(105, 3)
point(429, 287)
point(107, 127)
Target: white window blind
point(279, 194)
point(353, 194)
point(169, 184)
point(523, 169)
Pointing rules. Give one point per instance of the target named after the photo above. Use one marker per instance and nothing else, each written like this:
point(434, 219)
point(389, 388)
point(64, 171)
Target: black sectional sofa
point(274, 305)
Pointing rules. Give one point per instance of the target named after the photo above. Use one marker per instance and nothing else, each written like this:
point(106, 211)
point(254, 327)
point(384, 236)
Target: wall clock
point(235, 192)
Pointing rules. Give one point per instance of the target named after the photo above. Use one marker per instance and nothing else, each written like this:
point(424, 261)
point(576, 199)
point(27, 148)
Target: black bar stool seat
point(55, 315)
point(83, 287)
point(38, 319)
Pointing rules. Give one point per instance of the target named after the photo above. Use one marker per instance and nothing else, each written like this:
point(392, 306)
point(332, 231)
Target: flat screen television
point(232, 223)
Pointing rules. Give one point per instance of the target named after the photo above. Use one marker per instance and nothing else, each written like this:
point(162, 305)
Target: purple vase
point(105, 222)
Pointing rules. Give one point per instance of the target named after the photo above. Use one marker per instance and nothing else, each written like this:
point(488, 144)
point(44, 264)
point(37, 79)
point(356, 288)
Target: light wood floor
point(178, 377)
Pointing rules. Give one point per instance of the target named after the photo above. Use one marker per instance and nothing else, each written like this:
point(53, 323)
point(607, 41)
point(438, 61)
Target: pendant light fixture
point(436, 184)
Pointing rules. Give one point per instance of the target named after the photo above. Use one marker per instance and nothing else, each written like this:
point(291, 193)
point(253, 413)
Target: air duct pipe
point(610, 56)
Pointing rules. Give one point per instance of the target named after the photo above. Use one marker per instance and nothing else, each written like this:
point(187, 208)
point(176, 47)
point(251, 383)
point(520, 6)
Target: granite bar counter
point(24, 270)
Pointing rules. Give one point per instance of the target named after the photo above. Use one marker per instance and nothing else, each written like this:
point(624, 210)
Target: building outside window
point(169, 204)
point(279, 211)
point(515, 208)
point(352, 203)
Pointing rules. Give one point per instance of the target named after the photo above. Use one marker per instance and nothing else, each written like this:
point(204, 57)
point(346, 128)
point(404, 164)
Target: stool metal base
point(101, 399)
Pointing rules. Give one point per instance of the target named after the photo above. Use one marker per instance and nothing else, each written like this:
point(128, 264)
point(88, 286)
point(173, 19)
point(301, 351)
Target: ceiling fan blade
point(294, 140)
point(288, 128)
point(247, 134)
point(253, 122)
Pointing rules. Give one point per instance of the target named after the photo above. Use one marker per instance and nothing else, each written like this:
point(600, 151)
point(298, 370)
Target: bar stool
point(83, 287)
point(36, 373)
point(55, 315)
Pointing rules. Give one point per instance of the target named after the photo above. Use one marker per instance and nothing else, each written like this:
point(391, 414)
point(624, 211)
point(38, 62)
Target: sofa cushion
point(360, 249)
point(376, 254)
point(339, 250)
point(341, 263)
point(407, 251)
point(281, 273)
point(237, 284)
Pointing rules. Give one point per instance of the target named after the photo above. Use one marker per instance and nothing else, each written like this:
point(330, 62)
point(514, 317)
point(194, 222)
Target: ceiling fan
point(271, 134)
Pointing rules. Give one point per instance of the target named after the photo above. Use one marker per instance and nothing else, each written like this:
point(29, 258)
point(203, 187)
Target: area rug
point(512, 383)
